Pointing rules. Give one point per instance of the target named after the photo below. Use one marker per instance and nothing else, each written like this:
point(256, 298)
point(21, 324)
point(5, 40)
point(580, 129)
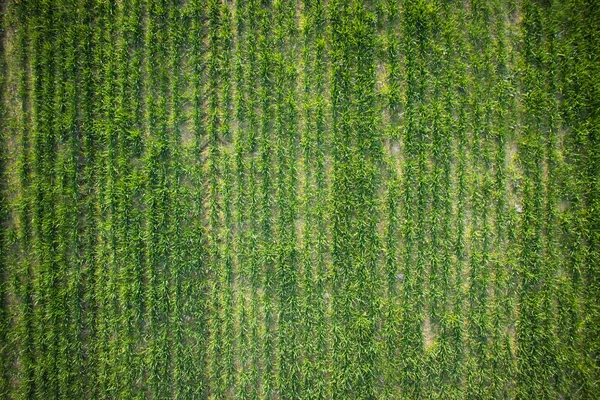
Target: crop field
point(311, 199)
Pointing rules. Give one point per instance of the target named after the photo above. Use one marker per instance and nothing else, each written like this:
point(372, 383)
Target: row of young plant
point(479, 125)
point(89, 138)
point(249, 217)
point(357, 155)
point(267, 186)
point(287, 264)
point(226, 274)
point(314, 239)
point(46, 310)
point(194, 282)
point(4, 209)
point(444, 356)
point(416, 40)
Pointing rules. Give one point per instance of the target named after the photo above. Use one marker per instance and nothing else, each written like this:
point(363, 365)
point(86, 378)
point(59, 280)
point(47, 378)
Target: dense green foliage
point(276, 199)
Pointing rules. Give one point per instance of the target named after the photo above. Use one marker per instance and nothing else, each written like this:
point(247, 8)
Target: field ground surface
point(316, 199)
